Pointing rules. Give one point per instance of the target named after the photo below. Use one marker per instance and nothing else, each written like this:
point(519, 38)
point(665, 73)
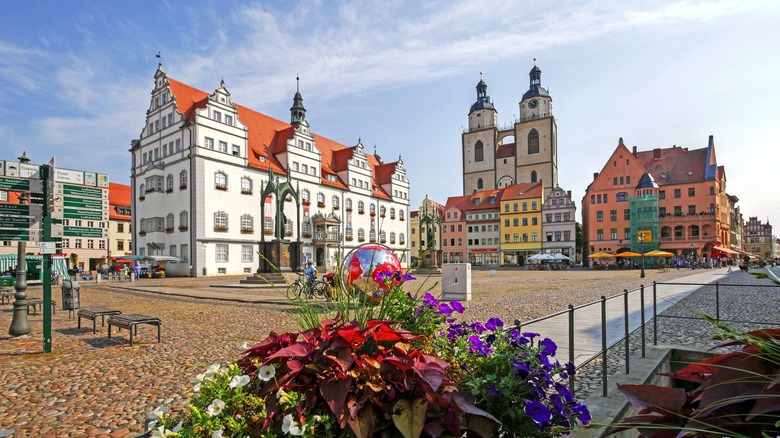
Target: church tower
point(536, 136)
point(479, 143)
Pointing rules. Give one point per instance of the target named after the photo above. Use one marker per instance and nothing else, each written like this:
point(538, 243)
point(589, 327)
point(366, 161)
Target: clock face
point(532, 104)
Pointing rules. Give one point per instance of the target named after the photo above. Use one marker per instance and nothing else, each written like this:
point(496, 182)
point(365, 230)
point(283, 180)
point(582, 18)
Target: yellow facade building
point(521, 222)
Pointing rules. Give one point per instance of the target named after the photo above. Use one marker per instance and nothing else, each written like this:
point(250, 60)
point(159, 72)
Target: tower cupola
point(535, 83)
point(297, 111)
point(483, 100)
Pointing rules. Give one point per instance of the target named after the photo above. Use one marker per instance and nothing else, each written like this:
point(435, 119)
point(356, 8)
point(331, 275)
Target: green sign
point(21, 185)
point(69, 231)
point(36, 198)
point(15, 209)
point(86, 192)
point(15, 222)
point(14, 235)
point(74, 213)
point(93, 204)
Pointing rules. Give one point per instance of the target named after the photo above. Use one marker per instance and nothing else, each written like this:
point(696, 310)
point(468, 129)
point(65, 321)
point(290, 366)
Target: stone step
point(273, 278)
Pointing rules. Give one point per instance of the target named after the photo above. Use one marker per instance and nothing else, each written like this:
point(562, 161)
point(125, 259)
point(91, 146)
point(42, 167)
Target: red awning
point(724, 250)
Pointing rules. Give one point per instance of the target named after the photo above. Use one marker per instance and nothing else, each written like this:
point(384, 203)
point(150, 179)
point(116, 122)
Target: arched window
point(305, 196)
point(533, 142)
point(382, 237)
point(142, 189)
point(479, 151)
point(348, 204)
point(220, 180)
point(621, 197)
point(320, 198)
point(306, 227)
point(335, 202)
point(694, 231)
point(169, 222)
point(533, 176)
point(183, 179)
point(392, 237)
point(666, 232)
point(361, 207)
point(372, 209)
point(401, 215)
point(678, 231)
point(246, 185)
point(169, 183)
point(401, 238)
point(361, 235)
point(184, 220)
point(220, 220)
point(480, 184)
point(247, 223)
point(392, 213)
point(382, 211)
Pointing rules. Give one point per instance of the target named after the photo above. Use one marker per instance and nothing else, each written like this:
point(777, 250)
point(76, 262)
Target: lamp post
point(19, 323)
point(694, 256)
point(641, 250)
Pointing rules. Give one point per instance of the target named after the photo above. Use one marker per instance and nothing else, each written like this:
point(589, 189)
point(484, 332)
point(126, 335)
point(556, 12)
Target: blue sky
point(75, 77)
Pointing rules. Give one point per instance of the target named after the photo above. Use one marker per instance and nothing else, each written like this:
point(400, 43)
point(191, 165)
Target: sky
point(76, 78)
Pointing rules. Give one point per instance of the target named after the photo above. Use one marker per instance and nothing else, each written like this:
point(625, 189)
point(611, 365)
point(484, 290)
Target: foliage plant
point(734, 394)
point(510, 375)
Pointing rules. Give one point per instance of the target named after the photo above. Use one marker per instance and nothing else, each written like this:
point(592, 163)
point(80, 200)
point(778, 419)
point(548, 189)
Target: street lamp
point(694, 256)
point(642, 251)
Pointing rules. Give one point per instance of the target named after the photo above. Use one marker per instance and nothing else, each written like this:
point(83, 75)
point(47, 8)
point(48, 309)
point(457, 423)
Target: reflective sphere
point(362, 264)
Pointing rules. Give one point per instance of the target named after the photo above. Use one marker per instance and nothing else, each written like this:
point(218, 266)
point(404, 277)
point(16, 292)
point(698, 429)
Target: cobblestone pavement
point(92, 386)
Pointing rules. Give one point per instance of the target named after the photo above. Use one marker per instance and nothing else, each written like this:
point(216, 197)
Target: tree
point(74, 259)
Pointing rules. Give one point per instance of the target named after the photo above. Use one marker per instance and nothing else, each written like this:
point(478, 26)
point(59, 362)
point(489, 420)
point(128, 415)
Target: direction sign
point(47, 247)
point(14, 234)
point(20, 210)
point(15, 221)
point(94, 204)
point(75, 213)
point(84, 192)
point(14, 184)
point(70, 231)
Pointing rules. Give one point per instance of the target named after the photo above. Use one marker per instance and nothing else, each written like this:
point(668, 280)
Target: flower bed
point(383, 363)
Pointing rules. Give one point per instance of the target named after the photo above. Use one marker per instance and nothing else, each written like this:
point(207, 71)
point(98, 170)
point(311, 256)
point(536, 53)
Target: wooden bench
point(131, 322)
point(93, 312)
point(37, 304)
point(6, 296)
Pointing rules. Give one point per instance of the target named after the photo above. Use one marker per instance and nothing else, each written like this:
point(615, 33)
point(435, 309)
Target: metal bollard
point(642, 313)
point(571, 346)
point(625, 323)
point(655, 316)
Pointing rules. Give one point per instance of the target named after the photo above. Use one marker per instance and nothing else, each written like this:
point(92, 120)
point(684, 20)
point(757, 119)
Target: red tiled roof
point(268, 136)
point(484, 200)
point(118, 196)
point(678, 164)
point(523, 191)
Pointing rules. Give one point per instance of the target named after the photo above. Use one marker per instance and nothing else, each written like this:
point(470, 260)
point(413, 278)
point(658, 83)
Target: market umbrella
point(659, 253)
point(559, 256)
point(541, 257)
point(601, 255)
point(628, 254)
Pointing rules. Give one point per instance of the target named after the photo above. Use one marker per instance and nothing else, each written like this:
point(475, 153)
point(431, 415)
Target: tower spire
point(297, 111)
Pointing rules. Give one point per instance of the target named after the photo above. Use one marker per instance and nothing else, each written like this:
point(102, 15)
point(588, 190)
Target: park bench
point(6, 296)
point(131, 322)
point(93, 312)
point(36, 304)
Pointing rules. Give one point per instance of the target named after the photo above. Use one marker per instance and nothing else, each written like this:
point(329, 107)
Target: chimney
point(595, 175)
point(634, 152)
point(657, 153)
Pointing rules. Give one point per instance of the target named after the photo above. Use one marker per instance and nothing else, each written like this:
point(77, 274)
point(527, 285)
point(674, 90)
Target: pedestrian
point(137, 270)
point(730, 263)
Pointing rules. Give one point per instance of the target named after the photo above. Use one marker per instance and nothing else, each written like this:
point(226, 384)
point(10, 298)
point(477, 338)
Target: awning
point(161, 258)
point(724, 250)
point(59, 265)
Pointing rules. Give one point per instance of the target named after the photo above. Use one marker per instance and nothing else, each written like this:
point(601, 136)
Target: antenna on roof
point(159, 57)
point(534, 61)
point(297, 83)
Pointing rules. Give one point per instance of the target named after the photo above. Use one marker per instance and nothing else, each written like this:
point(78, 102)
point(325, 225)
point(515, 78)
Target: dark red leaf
point(699, 372)
point(467, 407)
point(341, 356)
point(295, 350)
point(736, 378)
point(352, 336)
point(385, 333)
point(643, 396)
point(767, 401)
point(335, 392)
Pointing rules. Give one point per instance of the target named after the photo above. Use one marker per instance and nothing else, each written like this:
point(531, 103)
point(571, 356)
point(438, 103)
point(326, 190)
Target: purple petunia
point(457, 306)
point(538, 411)
point(494, 324)
point(444, 309)
point(530, 335)
point(548, 347)
point(522, 368)
point(494, 391)
point(477, 327)
point(481, 348)
point(430, 301)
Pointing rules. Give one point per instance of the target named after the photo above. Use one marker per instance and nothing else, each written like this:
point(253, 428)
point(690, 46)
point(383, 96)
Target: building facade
point(759, 240)
point(521, 222)
point(559, 228)
point(693, 216)
point(426, 231)
point(454, 230)
point(483, 224)
point(120, 237)
point(201, 171)
point(524, 152)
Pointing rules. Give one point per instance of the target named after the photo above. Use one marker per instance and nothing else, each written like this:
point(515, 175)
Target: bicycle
point(310, 288)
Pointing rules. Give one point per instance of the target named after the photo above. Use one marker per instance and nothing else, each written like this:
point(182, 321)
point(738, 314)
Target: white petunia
point(196, 388)
point(160, 432)
point(239, 381)
point(199, 378)
point(159, 411)
point(246, 345)
point(150, 425)
point(177, 428)
point(215, 408)
point(213, 370)
point(291, 426)
point(217, 434)
point(266, 372)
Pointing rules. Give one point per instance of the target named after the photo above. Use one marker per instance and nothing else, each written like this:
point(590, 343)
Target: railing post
point(571, 346)
point(717, 301)
point(642, 313)
point(625, 319)
point(518, 325)
point(655, 316)
point(604, 346)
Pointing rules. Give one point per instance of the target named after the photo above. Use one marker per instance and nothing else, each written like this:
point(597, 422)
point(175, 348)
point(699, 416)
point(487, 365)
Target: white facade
point(199, 170)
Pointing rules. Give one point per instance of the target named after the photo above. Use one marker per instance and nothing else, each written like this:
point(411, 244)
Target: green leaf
point(409, 418)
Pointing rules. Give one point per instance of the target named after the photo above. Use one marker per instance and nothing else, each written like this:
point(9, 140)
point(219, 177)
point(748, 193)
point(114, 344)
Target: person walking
point(730, 264)
point(137, 270)
point(311, 276)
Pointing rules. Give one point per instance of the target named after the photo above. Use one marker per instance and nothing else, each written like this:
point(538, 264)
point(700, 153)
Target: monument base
point(279, 256)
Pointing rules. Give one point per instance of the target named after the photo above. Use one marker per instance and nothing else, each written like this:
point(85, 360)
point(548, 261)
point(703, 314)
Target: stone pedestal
point(279, 255)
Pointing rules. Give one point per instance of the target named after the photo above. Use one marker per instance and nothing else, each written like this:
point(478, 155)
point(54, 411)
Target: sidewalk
point(587, 320)
point(250, 295)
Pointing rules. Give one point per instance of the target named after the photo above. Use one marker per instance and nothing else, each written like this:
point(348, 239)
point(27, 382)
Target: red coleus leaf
point(773, 333)
point(364, 424)
point(295, 350)
point(735, 380)
point(644, 396)
point(352, 336)
point(701, 371)
point(340, 355)
point(384, 333)
point(767, 401)
point(335, 392)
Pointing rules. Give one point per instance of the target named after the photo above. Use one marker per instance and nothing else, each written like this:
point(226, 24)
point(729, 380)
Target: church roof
point(506, 150)
point(268, 136)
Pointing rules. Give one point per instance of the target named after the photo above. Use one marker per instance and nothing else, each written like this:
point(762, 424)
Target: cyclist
point(311, 276)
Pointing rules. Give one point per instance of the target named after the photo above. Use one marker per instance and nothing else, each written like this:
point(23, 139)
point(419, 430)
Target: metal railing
point(642, 324)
